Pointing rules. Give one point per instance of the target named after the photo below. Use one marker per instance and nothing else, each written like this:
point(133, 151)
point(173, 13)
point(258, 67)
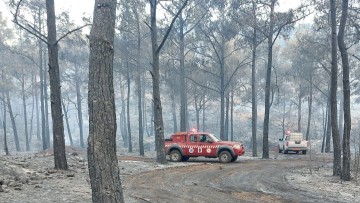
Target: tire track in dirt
point(242, 181)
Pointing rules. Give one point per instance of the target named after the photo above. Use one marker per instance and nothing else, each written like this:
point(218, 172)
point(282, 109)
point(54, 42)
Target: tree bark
point(183, 97)
point(299, 110)
point(123, 128)
point(55, 89)
point(333, 103)
point(6, 148)
point(253, 87)
point(267, 85)
point(67, 123)
point(79, 106)
point(346, 86)
point(328, 129)
point(139, 85)
point(42, 99)
point(158, 119)
point(13, 123)
point(130, 147)
point(310, 109)
point(103, 166)
point(27, 144)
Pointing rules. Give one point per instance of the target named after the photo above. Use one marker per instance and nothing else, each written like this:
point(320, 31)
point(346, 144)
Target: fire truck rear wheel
point(225, 157)
point(175, 155)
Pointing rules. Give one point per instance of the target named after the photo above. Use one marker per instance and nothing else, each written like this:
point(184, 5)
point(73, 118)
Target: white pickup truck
point(293, 142)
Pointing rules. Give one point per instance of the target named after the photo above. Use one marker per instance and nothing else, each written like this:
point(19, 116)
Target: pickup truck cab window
point(203, 138)
point(193, 138)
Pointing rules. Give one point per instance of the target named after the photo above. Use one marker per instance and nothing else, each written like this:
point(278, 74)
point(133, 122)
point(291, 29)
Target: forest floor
point(30, 178)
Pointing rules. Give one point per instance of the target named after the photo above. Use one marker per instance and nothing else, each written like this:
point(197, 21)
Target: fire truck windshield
point(213, 137)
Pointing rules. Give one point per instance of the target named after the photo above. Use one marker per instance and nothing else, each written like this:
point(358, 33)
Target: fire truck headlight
point(237, 146)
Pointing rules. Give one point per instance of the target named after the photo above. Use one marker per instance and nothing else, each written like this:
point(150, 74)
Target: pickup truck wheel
point(234, 158)
point(304, 152)
point(225, 157)
point(285, 151)
point(175, 156)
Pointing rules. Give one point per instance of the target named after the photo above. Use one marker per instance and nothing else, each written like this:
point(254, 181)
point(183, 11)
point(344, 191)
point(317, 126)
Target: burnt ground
point(30, 178)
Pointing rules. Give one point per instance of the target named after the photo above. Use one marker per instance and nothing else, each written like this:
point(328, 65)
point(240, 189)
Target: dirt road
point(242, 181)
point(30, 178)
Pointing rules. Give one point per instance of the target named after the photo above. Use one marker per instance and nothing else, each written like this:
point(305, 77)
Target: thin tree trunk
point(67, 123)
point(267, 86)
point(334, 86)
point(46, 102)
point(173, 107)
point(128, 109)
point(139, 85)
point(203, 115)
point(13, 123)
point(42, 99)
point(183, 97)
point(227, 106)
point(38, 137)
point(6, 148)
point(123, 127)
point(27, 144)
point(55, 89)
point(325, 118)
point(310, 109)
point(79, 106)
point(346, 175)
point(232, 116)
point(254, 88)
point(328, 131)
point(299, 111)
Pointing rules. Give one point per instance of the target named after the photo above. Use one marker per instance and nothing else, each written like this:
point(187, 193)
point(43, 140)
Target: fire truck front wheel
point(175, 155)
point(225, 157)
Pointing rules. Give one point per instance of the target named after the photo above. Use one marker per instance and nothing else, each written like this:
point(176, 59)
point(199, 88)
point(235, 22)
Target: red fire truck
point(183, 145)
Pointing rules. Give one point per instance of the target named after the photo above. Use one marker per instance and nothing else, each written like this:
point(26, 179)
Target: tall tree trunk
point(13, 123)
point(183, 97)
point(103, 166)
point(67, 123)
point(42, 99)
point(55, 88)
point(232, 116)
point(268, 83)
point(346, 175)
point(38, 137)
point(325, 116)
point(310, 108)
point(32, 113)
point(299, 111)
point(328, 131)
point(6, 148)
point(341, 115)
point(128, 108)
point(203, 115)
point(333, 104)
point(123, 127)
point(79, 106)
point(139, 85)
point(158, 119)
point(227, 106)
point(254, 88)
point(173, 107)
point(27, 144)
point(222, 90)
point(46, 102)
